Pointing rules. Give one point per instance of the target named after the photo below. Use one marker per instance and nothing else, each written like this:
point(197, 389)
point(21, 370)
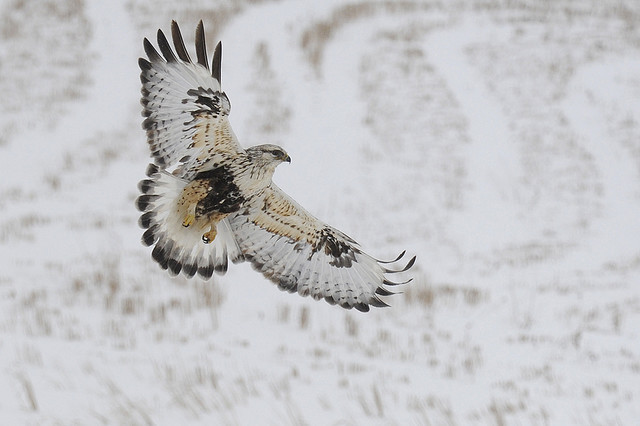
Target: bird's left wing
point(302, 254)
point(186, 111)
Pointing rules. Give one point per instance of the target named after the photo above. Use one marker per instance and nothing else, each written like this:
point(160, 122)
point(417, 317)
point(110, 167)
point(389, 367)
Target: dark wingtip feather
point(149, 124)
point(392, 283)
point(174, 266)
point(144, 65)
point(394, 260)
point(149, 237)
point(151, 51)
point(216, 64)
point(205, 271)
point(201, 46)
point(330, 300)
point(152, 169)
point(362, 307)
point(160, 253)
point(222, 267)
point(377, 303)
point(178, 42)
point(384, 292)
point(145, 185)
point(411, 262)
point(165, 48)
point(189, 269)
point(146, 219)
point(143, 201)
point(406, 268)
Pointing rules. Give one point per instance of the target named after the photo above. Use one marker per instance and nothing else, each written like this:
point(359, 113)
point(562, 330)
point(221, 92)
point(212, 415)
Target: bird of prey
point(207, 200)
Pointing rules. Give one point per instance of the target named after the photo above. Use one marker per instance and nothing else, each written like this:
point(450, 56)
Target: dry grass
point(270, 116)
point(314, 38)
point(65, 56)
point(424, 293)
point(22, 228)
point(29, 393)
point(215, 14)
point(371, 402)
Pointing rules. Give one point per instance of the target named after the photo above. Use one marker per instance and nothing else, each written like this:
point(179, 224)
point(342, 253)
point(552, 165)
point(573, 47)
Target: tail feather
point(180, 249)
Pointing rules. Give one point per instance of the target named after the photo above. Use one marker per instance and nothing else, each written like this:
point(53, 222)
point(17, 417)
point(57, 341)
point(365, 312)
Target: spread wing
point(186, 112)
point(302, 254)
point(188, 132)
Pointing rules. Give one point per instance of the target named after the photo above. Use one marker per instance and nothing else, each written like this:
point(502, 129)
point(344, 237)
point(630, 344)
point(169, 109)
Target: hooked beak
point(287, 159)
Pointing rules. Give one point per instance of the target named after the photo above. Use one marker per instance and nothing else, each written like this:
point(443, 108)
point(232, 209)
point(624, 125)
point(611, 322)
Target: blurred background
point(499, 141)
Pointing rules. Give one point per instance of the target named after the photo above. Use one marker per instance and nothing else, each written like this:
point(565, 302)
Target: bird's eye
point(277, 153)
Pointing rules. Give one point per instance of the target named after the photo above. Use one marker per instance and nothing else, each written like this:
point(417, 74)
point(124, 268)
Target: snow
point(500, 143)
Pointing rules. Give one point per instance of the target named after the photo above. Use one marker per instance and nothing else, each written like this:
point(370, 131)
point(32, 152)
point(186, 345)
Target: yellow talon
point(188, 220)
point(209, 236)
point(191, 215)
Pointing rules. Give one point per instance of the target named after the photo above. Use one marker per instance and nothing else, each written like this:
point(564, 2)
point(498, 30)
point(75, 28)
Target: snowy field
point(499, 141)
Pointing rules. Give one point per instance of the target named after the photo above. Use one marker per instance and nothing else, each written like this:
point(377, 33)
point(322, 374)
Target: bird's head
point(268, 156)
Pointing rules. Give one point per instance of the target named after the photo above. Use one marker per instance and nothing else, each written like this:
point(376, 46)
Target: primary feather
point(206, 200)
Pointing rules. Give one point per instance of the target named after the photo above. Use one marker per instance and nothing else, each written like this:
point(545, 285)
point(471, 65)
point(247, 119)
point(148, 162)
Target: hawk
point(207, 200)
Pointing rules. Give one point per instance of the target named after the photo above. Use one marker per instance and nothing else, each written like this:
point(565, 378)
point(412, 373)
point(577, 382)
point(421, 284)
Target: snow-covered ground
point(498, 141)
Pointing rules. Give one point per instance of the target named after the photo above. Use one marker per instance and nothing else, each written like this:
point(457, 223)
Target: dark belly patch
point(221, 195)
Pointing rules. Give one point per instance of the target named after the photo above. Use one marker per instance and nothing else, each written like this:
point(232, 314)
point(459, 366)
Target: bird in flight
point(207, 200)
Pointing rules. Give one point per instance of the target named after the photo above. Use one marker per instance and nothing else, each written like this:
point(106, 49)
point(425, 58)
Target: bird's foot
point(190, 217)
point(188, 220)
point(209, 236)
